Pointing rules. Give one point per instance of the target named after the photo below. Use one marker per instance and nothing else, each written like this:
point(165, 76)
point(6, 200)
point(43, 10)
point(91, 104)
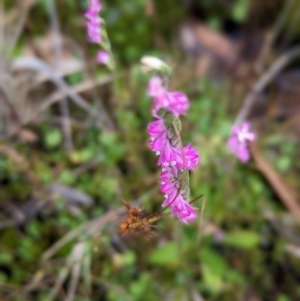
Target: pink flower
point(93, 21)
point(159, 141)
point(174, 102)
point(169, 185)
point(179, 103)
point(185, 212)
point(238, 141)
point(191, 156)
point(95, 6)
point(168, 154)
point(172, 159)
point(156, 128)
point(102, 57)
point(158, 135)
point(183, 209)
point(168, 180)
point(155, 88)
point(243, 132)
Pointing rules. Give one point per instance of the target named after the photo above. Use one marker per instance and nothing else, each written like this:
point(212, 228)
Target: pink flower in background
point(103, 57)
point(93, 21)
point(239, 139)
point(243, 132)
point(174, 102)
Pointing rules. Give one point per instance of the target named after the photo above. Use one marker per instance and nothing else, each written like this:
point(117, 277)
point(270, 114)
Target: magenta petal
point(191, 156)
point(167, 180)
point(103, 57)
point(168, 152)
point(157, 143)
point(93, 22)
point(156, 127)
point(184, 211)
point(95, 5)
point(170, 199)
point(155, 88)
point(178, 103)
point(174, 102)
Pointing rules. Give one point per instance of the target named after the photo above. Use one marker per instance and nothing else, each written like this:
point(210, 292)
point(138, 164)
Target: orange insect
point(134, 222)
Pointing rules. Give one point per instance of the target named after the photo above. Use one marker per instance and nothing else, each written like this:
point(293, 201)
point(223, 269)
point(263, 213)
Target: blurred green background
point(65, 166)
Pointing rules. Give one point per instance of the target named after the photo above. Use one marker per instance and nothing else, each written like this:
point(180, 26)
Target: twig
point(264, 80)
point(63, 104)
point(57, 96)
point(293, 30)
point(196, 295)
point(89, 228)
point(13, 113)
point(200, 221)
point(85, 167)
point(185, 172)
point(276, 182)
point(23, 12)
point(66, 67)
point(63, 275)
point(1, 28)
point(77, 256)
point(273, 34)
point(40, 66)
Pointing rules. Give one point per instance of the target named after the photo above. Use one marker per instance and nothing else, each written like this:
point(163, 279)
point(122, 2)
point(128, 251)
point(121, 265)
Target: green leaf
point(6, 257)
point(284, 163)
point(86, 154)
point(3, 278)
point(282, 297)
point(52, 138)
point(214, 23)
point(138, 288)
point(256, 184)
point(240, 10)
point(168, 254)
point(214, 261)
point(108, 139)
point(129, 258)
point(67, 177)
point(234, 277)
point(213, 281)
point(242, 239)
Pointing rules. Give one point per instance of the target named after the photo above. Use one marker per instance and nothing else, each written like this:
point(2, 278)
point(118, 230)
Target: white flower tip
point(152, 63)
